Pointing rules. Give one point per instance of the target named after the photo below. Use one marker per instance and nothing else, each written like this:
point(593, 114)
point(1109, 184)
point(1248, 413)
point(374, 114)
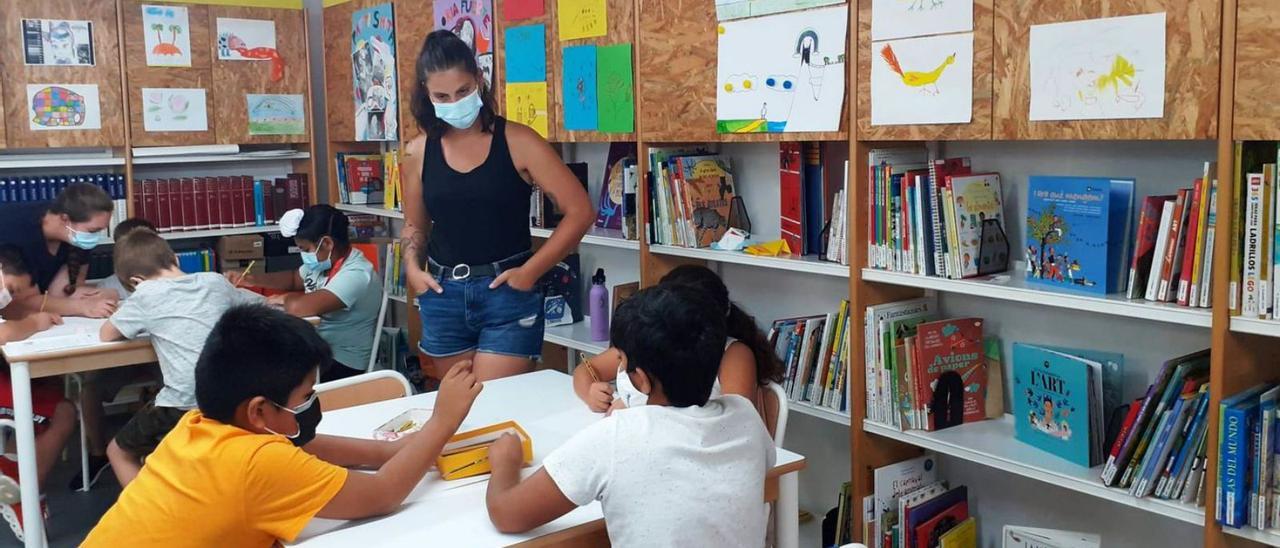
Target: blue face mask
point(84, 240)
point(311, 259)
point(461, 113)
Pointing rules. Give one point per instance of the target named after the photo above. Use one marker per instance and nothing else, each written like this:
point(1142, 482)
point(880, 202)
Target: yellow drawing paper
point(527, 104)
point(582, 18)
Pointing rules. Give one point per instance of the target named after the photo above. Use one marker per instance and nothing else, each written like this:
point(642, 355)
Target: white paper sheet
point(237, 34)
point(782, 73)
point(174, 109)
point(905, 18)
point(166, 35)
point(1098, 68)
point(63, 107)
point(932, 84)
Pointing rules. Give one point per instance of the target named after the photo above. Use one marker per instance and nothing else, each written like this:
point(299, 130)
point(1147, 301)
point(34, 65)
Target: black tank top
point(478, 217)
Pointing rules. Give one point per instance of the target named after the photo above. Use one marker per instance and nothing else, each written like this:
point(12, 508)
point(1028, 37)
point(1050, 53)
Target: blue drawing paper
point(526, 53)
point(580, 102)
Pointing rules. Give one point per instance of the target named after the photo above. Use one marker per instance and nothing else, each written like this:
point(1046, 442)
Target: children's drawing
point(614, 89)
point(582, 18)
point(276, 114)
point(57, 42)
point(737, 9)
point(373, 73)
point(174, 109)
point(922, 80)
point(579, 87)
point(1098, 69)
point(527, 104)
point(63, 107)
point(891, 19)
point(166, 34)
point(782, 73)
point(471, 20)
point(245, 39)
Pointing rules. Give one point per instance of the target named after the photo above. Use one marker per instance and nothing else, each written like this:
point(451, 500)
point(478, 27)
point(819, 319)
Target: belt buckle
point(453, 273)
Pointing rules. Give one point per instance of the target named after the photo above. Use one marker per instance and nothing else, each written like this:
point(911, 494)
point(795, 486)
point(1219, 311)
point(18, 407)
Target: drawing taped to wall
point(166, 33)
point(471, 20)
point(922, 80)
point(57, 42)
point(782, 73)
point(1098, 69)
point(276, 114)
point(239, 38)
point(737, 9)
point(63, 107)
point(174, 109)
point(892, 19)
point(373, 73)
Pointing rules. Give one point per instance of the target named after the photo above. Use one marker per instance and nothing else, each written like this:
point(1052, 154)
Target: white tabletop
point(453, 513)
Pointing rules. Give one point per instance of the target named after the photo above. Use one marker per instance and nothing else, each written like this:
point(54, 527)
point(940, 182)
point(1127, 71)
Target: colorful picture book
point(1061, 397)
point(368, 179)
point(948, 373)
point(691, 195)
point(1077, 232)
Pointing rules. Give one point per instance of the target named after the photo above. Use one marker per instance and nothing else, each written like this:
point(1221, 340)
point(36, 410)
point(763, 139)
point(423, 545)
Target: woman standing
point(467, 182)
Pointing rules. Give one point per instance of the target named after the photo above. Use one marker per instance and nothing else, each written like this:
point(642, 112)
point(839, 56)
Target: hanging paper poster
point(582, 18)
point(276, 114)
point(905, 18)
point(922, 80)
point(515, 10)
point(579, 88)
point(1098, 69)
point(737, 9)
point(614, 89)
point(471, 20)
point(373, 72)
point(238, 38)
point(527, 104)
point(526, 49)
point(166, 35)
point(782, 73)
point(63, 107)
point(174, 109)
point(57, 42)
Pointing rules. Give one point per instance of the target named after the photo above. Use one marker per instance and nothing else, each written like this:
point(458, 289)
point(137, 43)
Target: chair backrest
point(774, 409)
point(362, 389)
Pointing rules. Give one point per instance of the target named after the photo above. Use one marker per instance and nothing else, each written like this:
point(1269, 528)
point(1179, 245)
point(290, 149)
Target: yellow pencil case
point(467, 453)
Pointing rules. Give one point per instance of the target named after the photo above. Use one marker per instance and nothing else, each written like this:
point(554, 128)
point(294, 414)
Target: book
point(791, 196)
point(963, 535)
point(1149, 220)
point(897, 479)
point(1058, 407)
point(1169, 264)
point(1077, 231)
point(363, 178)
point(1188, 252)
point(952, 372)
point(1192, 368)
point(977, 198)
point(1014, 536)
point(878, 397)
point(609, 207)
point(928, 521)
point(1252, 241)
point(813, 180)
point(1235, 416)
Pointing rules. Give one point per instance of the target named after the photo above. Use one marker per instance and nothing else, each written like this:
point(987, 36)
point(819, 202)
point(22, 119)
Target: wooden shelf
point(1013, 287)
point(218, 158)
point(824, 413)
point(597, 236)
point(991, 443)
point(576, 336)
point(370, 210)
point(806, 264)
point(1256, 326)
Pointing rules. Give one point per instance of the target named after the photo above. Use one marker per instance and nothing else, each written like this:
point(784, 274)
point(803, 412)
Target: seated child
point(674, 468)
point(54, 416)
point(247, 469)
point(122, 231)
point(177, 310)
point(749, 362)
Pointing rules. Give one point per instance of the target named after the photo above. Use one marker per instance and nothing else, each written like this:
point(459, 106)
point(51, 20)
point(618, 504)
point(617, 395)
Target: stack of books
point(1248, 480)
point(1173, 246)
point(367, 179)
point(912, 507)
point(815, 354)
point(44, 188)
point(812, 191)
point(205, 203)
point(691, 193)
point(199, 260)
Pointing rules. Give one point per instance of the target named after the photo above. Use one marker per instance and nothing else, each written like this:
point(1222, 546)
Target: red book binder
point(792, 196)
point(268, 202)
point(199, 200)
point(148, 210)
point(294, 186)
point(211, 202)
point(187, 190)
point(164, 207)
point(237, 202)
point(247, 208)
point(226, 195)
point(280, 197)
point(135, 198)
point(306, 188)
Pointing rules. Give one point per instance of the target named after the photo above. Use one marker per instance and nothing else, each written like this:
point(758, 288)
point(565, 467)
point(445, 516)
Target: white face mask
point(631, 396)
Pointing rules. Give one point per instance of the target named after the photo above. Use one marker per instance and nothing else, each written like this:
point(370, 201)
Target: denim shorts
point(470, 316)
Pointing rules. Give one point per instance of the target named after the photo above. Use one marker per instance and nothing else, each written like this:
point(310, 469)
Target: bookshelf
point(597, 236)
point(370, 210)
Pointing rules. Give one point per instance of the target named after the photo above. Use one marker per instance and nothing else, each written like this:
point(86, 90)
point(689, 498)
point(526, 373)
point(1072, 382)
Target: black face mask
point(307, 422)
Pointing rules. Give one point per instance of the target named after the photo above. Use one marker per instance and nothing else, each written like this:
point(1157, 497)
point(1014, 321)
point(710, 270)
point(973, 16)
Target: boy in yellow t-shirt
point(246, 468)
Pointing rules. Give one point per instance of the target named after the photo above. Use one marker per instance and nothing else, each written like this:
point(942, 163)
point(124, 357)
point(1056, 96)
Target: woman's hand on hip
point(518, 278)
point(420, 281)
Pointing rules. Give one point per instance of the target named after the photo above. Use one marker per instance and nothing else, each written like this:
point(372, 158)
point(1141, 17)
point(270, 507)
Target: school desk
point(453, 513)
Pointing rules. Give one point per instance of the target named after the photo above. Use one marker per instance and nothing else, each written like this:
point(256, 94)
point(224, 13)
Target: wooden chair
point(361, 389)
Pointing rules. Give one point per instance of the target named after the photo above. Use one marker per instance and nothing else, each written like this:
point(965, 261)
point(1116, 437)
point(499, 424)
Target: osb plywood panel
point(233, 80)
point(338, 98)
point(170, 78)
point(978, 128)
point(1257, 100)
point(551, 45)
point(413, 24)
point(1192, 35)
point(676, 54)
point(622, 30)
point(105, 73)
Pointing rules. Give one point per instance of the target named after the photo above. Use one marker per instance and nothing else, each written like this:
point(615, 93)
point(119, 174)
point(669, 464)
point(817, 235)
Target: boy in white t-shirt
point(674, 467)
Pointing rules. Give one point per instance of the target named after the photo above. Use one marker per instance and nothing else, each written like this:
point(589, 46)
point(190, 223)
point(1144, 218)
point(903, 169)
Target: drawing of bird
point(1122, 72)
point(913, 78)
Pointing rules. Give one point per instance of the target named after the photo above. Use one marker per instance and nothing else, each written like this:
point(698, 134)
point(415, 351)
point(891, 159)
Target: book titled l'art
point(1077, 232)
point(1059, 399)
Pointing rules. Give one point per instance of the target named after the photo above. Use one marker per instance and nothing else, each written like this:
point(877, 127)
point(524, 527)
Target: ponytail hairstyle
point(79, 202)
point(322, 220)
point(441, 51)
point(741, 325)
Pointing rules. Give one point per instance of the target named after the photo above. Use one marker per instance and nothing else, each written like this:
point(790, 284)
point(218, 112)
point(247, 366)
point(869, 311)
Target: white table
point(454, 513)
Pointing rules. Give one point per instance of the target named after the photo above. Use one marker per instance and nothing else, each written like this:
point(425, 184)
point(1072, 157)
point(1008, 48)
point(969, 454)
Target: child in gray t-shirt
point(177, 311)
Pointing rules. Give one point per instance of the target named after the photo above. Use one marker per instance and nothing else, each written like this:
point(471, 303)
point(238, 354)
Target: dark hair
point(322, 220)
point(141, 253)
point(674, 334)
point(11, 261)
point(127, 226)
point(441, 51)
point(79, 202)
point(739, 324)
point(253, 351)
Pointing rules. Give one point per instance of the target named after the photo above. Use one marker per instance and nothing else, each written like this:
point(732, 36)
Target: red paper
point(515, 10)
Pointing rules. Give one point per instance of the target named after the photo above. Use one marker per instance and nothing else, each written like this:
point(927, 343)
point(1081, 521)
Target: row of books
point(616, 207)
point(912, 507)
point(44, 188)
point(927, 373)
point(365, 179)
point(692, 198)
point(1248, 465)
point(1255, 234)
point(815, 356)
point(543, 211)
point(812, 193)
point(1173, 245)
point(198, 260)
point(204, 203)
point(393, 270)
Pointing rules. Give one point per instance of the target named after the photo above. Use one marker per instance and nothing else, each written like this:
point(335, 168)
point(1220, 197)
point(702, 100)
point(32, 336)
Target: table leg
point(32, 521)
point(786, 514)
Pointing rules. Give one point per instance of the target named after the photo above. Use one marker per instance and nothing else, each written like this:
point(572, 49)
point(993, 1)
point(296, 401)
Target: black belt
point(464, 271)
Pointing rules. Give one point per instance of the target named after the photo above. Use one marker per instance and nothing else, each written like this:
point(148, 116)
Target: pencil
point(245, 274)
point(44, 300)
point(585, 362)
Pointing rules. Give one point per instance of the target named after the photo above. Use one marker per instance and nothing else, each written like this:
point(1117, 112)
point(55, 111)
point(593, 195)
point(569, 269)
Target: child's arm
point(288, 280)
point(16, 330)
point(109, 333)
point(738, 372)
point(344, 451)
point(315, 303)
point(517, 506)
point(366, 495)
point(596, 392)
